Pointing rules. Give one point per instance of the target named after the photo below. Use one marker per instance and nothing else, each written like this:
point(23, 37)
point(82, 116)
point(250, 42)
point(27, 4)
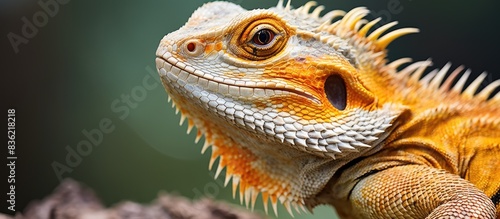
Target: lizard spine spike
point(461, 82)
point(206, 145)
point(197, 139)
point(288, 208)
point(446, 86)
point(183, 118)
point(317, 11)
point(265, 199)
point(296, 207)
point(472, 88)
point(364, 30)
point(274, 204)
point(190, 127)
point(214, 157)
point(227, 178)
point(329, 17)
point(428, 77)
point(379, 31)
point(305, 8)
point(353, 21)
point(242, 192)
point(488, 90)
point(388, 38)
point(359, 24)
point(397, 63)
point(219, 170)
point(288, 5)
point(235, 184)
point(280, 4)
point(421, 67)
point(253, 199)
point(496, 98)
point(354, 16)
point(438, 79)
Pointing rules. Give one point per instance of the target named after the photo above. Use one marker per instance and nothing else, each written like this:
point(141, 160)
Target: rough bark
point(71, 200)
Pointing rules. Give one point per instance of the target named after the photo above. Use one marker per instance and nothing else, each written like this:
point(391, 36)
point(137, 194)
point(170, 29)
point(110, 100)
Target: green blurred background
point(91, 54)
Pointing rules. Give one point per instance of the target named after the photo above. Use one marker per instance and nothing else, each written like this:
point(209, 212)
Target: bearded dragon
point(306, 110)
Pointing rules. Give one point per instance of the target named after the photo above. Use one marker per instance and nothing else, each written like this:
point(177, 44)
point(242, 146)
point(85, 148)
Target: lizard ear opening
point(336, 92)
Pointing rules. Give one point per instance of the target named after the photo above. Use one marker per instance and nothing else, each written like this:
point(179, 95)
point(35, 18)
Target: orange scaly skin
point(306, 110)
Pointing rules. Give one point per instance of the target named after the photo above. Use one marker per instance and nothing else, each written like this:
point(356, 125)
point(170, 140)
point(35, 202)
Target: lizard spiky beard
point(290, 101)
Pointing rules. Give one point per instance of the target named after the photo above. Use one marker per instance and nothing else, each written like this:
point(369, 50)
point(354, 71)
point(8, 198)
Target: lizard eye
point(265, 40)
point(263, 37)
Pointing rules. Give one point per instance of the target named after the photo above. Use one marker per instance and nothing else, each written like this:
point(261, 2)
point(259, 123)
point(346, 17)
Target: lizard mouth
point(173, 69)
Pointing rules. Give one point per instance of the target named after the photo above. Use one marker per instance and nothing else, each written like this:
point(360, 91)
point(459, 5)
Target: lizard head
point(280, 94)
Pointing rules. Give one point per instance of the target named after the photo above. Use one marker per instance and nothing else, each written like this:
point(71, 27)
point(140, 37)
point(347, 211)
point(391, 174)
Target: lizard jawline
point(171, 63)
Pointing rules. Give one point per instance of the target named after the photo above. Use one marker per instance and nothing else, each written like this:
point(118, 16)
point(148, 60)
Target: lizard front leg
point(417, 191)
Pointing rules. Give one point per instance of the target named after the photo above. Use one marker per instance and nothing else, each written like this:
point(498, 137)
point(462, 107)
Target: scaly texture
point(306, 110)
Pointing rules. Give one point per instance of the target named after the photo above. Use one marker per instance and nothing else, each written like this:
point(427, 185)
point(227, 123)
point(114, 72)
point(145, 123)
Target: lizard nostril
point(336, 91)
point(194, 47)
